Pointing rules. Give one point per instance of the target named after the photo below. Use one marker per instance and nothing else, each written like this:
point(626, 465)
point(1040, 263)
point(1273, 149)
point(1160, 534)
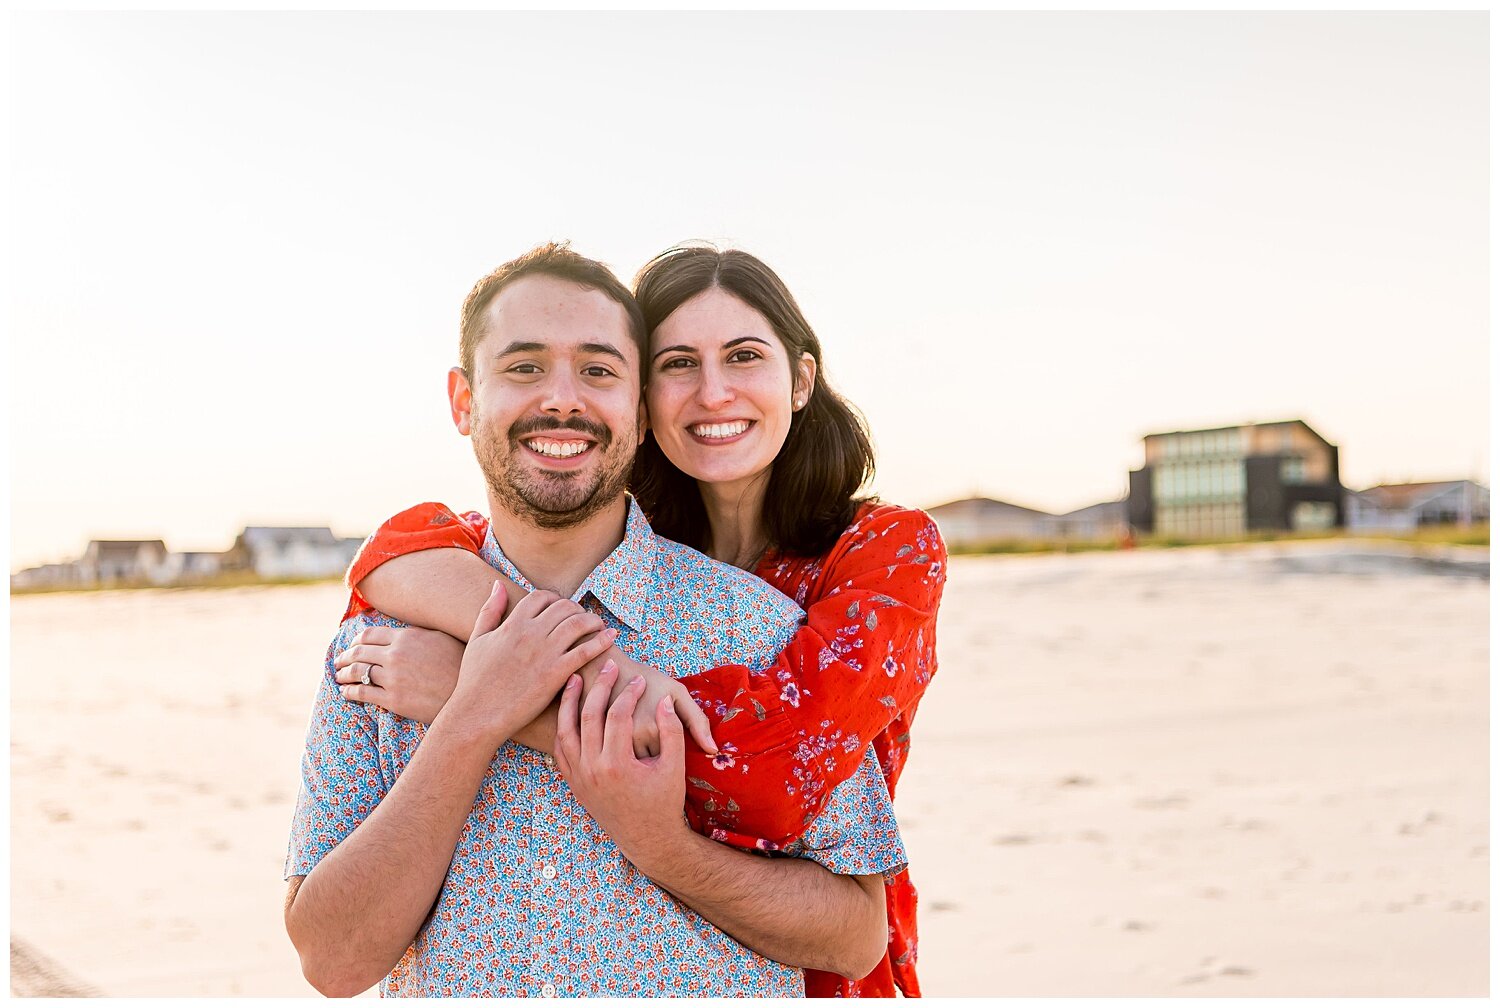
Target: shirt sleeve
point(856, 833)
point(341, 779)
point(790, 735)
point(422, 527)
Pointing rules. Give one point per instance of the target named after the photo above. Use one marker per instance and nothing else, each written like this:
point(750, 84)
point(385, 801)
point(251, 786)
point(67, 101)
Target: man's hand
point(638, 802)
point(511, 671)
point(412, 671)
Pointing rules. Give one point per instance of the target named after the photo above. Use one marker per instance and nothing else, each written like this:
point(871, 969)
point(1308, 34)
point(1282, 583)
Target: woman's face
point(720, 389)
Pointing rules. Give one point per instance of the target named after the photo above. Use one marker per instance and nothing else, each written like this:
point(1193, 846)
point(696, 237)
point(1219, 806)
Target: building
point(975, 521)
point(53, 575)
point(293, 552)
point(1095, 523)
point(1228, 480)
point(124, 562)
point(981, 521)
point(1397, 506)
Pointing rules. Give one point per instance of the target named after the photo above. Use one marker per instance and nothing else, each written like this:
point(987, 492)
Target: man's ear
point(645, 423)
point(460, 399)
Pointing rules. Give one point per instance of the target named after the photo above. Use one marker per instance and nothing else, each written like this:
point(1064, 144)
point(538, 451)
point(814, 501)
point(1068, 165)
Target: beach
point(1212, 771)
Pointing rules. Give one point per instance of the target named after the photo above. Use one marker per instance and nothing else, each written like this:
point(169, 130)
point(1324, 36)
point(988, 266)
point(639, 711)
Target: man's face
point(553, 407)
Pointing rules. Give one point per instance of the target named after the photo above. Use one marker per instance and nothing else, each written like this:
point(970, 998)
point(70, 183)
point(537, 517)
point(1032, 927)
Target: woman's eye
point(743, 356)
point(677, 364)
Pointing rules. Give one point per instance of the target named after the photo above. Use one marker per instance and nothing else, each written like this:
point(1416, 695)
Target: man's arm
point(355, 913)
point(792, 910)
point(788, 909)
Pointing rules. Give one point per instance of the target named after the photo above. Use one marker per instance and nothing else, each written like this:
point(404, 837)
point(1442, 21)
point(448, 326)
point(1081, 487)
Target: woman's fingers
point(376, 635)
point(370, 653)
point(359, 693)
point(669, 727)
point(694, 720)
point(356, 672)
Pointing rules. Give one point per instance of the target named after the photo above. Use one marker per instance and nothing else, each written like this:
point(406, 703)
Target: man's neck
point(559, 560)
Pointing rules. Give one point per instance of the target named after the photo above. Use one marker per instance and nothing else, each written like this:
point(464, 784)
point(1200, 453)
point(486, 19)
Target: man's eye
point(598, 371)
point(524, 368)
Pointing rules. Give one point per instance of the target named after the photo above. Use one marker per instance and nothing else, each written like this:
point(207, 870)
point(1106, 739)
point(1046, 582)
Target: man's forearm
point(355, 914)
point(788, 909)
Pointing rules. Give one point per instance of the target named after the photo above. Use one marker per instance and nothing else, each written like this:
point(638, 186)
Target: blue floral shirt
point(539, 901)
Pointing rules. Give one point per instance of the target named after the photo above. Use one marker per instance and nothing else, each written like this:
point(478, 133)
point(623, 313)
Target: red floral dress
point(788, 735)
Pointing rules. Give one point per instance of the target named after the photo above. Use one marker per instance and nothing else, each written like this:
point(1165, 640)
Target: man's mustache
point(541, 425)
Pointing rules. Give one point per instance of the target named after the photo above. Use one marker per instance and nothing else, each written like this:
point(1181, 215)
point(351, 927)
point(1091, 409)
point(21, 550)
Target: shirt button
point(551, 762)
point(549, 872)
point(548, 990)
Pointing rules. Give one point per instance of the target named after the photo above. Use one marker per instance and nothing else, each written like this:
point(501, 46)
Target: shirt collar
point(620, 583)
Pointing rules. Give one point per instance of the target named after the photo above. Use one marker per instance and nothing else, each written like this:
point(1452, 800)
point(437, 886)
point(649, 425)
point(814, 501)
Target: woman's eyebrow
point(731, 343)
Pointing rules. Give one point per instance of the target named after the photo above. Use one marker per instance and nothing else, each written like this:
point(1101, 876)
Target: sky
point(240, 241)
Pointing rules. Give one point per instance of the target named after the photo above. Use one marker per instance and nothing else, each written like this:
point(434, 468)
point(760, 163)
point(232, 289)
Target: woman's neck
point(736, 520)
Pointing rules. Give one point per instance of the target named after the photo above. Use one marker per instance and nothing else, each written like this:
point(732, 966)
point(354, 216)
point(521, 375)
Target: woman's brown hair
point(811, 498)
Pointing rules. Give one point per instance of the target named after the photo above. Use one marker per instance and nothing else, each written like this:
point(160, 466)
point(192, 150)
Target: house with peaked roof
point(124, 562)
point(977, 520)
point(1097, 522)
point(1397, 506)
point(290, 552)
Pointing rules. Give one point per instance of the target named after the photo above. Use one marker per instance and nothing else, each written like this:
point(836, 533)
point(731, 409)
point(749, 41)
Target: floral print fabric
point(849, 679)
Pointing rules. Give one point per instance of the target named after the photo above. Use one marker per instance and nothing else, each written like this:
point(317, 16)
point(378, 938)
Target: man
point(466, 865)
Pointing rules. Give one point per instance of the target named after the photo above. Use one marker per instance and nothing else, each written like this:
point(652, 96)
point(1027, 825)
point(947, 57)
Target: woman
point(755, 460)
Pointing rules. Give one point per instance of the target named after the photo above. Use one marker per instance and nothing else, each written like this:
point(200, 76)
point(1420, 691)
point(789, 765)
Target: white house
point(305, 552)
point(124, 561)
point(1396, 506)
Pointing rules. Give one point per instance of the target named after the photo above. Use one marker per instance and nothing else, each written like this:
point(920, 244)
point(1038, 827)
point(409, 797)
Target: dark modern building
point(1228, 480)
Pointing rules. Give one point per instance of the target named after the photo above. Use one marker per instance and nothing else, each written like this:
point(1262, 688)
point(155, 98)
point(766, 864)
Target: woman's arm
point(423, 567)
point(865, 655)
point(863, 659)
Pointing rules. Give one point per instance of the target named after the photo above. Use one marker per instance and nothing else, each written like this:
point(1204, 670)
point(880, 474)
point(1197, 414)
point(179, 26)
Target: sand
point(1257, 772)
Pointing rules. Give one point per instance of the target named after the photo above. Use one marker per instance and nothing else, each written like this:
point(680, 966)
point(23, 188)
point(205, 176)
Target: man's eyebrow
point(526, 346)
point(519, 346)
point(732, 343)
point(603, 348)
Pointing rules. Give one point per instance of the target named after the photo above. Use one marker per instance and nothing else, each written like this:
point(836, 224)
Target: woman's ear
point(802, 386)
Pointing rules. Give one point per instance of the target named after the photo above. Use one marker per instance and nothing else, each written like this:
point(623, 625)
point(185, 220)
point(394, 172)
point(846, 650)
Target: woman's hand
point(411, 671)
point(646, 733)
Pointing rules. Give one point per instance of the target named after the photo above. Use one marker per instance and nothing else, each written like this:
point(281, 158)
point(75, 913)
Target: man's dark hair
point(827, 456)
point(553, 260)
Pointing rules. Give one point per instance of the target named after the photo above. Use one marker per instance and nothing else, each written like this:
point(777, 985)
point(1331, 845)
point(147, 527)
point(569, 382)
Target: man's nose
point(562, 394)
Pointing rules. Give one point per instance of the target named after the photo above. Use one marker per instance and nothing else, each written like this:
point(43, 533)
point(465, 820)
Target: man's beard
point(552, 500)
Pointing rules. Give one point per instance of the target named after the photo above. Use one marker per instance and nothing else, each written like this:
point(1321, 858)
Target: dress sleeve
point(423, 527)
point(793, 733)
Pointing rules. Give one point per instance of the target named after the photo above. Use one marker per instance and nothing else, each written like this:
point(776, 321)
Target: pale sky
point(240, 241)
